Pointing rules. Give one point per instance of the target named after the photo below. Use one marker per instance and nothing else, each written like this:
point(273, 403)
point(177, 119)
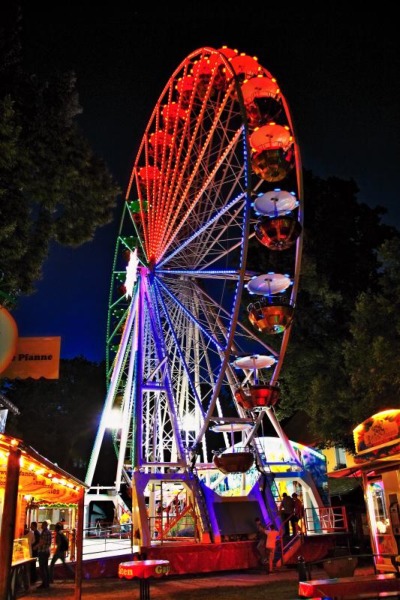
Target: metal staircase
point(269, 488)
point(202, 514)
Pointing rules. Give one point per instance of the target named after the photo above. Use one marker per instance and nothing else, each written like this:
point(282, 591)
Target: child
point(270, 545)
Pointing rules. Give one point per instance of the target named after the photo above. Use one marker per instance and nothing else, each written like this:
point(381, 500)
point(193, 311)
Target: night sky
point(337, 66)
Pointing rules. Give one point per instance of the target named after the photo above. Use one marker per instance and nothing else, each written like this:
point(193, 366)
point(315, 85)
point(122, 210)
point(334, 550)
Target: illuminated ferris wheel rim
point(232, 139)
point(174, 334)
point(225, 56)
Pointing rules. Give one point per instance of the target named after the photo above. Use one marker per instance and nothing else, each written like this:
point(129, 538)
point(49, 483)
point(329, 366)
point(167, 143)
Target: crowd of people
point(41, 545)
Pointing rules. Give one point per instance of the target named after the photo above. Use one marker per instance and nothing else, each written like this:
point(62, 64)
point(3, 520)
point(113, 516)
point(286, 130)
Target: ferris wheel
point(206, 268)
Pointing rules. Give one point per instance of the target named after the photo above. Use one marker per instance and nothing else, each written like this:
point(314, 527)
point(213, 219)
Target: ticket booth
point(27, 479)
point(377, 461)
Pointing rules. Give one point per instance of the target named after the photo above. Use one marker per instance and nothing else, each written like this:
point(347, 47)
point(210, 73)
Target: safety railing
point(182, 527)
point(316, 521)
point(107, 539)
point(180, 524)
point(330, 519)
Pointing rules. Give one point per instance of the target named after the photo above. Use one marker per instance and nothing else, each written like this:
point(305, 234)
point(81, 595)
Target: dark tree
point(373, 349)
point(340, 263)
point(59, 418)
point(52, 186)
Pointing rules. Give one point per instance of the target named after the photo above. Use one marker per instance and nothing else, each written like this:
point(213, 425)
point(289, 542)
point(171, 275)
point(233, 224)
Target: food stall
point(377, 462)
point(26, 479)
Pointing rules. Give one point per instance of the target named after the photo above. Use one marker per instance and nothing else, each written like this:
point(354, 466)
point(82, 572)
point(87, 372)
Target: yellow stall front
point(29, 480)
point(377, 461)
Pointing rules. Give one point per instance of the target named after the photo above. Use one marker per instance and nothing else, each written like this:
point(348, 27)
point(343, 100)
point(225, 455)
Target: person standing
point(158, 525)
point(270, 546)
point(125, 522)
point(98, 527)
point(167, 511)
point(298, 513)
point(34, 537)
point(44, 554)
point(176, 505)
point(286, 510)
point(261, 537)
point(60, 553)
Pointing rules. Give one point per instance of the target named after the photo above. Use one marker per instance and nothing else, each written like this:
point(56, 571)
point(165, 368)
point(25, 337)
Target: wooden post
point(8, 520)
point(79, 546)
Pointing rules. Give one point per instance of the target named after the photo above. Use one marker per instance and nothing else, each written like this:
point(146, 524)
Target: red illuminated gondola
point(271, 315)
point(234, 462)
point(171, 113)
point(264, 395)
point(272, 147)
point(257, 396)
point(245, 66)
point(261, 99)
point(279, 233)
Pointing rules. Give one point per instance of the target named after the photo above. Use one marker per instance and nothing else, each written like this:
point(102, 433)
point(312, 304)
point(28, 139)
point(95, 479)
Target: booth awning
point(38, 476)
point(367, 467)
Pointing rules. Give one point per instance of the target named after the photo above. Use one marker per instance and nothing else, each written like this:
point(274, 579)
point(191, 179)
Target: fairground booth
point(377, 462)
point(34, 489)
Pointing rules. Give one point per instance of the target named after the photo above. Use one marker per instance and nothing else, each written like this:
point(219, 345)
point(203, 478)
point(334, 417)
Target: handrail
point(285, 543)
point(322, 520)
point(326, 519)
point(109, 538)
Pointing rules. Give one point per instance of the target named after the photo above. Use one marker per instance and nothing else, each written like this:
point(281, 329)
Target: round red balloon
point(8, 338)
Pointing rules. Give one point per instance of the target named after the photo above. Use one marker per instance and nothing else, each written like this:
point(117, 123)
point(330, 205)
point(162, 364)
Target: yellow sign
point(378, 434)
point(42, 488)
point(35, 357)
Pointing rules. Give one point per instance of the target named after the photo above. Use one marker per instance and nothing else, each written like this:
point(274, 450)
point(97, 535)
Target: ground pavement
point(170, 587)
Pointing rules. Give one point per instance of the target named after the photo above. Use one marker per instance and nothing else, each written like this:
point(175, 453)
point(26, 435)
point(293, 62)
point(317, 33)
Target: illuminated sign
point(378, 436)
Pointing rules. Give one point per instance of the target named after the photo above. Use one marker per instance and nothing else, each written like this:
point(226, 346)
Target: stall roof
point(381, 464)
point(39, 478)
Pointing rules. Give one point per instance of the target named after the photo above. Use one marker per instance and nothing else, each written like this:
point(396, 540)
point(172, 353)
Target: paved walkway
point(167, 587)
point(172, 587)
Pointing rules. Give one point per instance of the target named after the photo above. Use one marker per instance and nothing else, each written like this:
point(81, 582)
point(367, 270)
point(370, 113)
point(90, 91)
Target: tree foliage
point(336, 326)
point(59, 418)
point(373, 349)
point(52, 186)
